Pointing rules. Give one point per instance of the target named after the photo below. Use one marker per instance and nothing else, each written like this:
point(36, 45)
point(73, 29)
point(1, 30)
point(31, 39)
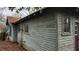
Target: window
point(76, 28)
point(66, 26)
point(26, 28)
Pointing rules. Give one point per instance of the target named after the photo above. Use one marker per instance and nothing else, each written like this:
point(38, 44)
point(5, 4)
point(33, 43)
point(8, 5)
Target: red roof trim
point(12, 19)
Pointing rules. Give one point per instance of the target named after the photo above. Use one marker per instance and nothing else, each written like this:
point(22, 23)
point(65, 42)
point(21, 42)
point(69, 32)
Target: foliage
point(11, 8)
point(27, 8)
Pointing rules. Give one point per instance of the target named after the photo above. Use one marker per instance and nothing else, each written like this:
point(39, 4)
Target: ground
point(10, 46)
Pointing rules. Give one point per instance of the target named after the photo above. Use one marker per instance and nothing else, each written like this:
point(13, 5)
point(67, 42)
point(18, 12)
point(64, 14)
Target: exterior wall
point(10, 32)
point(65, 43)
point(42, 33)
point(19, 33)
point(13, 33)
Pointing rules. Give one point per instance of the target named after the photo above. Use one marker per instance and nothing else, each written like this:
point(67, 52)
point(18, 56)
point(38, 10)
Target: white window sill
point(65, 34)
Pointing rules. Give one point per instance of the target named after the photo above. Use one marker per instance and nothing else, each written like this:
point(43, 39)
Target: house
point(11, 27)
point(49, 29)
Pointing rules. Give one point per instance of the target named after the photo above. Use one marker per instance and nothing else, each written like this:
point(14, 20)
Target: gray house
point(49, 29)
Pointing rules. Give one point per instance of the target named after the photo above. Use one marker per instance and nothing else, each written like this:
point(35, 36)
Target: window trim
point(62, 24)
point(26, 28)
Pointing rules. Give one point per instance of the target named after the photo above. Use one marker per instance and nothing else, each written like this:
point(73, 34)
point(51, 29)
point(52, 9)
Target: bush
point(3, 36)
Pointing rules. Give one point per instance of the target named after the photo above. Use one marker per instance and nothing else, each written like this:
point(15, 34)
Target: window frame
point(63, 32)
point(26, 28)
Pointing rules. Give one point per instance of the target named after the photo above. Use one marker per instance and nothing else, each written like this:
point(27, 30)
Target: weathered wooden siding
point(42, 33)
point(65, 43)
point(19, 33)
point(12, 32)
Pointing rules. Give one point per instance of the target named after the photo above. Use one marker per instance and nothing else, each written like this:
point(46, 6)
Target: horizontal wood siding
point(42, 33)
point(65, 43)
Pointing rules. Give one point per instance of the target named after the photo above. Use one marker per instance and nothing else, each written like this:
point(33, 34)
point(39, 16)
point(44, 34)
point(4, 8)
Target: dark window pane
point(26, 28)
point(67, 24)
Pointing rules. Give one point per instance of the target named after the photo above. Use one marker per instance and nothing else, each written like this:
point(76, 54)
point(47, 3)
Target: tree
point(11, 8)
point(27, 8)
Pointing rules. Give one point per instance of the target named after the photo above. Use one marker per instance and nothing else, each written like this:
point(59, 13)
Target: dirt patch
point(10, 46)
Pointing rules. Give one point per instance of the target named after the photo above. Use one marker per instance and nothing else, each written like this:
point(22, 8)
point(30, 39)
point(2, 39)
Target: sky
point(4, 12)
